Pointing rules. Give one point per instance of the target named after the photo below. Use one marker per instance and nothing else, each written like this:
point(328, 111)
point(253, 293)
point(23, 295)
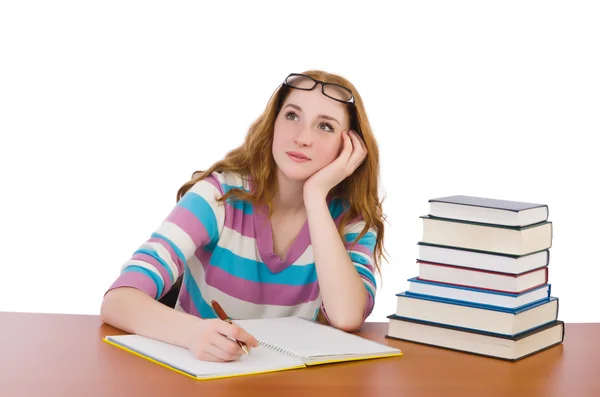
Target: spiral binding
point(279, 349)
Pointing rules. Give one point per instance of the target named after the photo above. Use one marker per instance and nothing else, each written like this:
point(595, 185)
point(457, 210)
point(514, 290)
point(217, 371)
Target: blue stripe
point(160, 286)
point(155, 255)
point(368, 240)
point(367, 274)
point(198, 206)
point(203, 308)
point(336, 207)
point(244, 206)
point(175, 248)
point(226, 187)
point(316, 313)
point(359, 258)
point(258, 272)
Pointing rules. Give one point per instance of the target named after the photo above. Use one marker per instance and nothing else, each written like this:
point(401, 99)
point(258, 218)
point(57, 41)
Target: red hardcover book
point(483, 279)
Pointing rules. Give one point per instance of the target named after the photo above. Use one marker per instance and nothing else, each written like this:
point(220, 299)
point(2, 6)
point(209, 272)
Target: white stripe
point(232, 179)
point(178, 306)
point(179, 237)
point(239, 244)
point(356, 264)
point(370, 287)
point(145, 265)
point(367, 282)
point(164, 255)
point(246, 247)
point(307, 257)
point(210, 193)
point(356, 227)
point(240, 309)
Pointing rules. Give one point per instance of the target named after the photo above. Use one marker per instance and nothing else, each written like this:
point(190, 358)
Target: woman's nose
point(304, 136)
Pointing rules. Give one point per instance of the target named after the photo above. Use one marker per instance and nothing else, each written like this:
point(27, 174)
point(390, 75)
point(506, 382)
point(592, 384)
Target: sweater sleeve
point(196, 221)
point(361, 254)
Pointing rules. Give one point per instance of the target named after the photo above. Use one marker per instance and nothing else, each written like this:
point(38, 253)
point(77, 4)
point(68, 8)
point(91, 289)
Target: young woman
point(288, 224)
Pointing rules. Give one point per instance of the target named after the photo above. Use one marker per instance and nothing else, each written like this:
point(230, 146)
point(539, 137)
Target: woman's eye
point(328, 126)
point(287, 116)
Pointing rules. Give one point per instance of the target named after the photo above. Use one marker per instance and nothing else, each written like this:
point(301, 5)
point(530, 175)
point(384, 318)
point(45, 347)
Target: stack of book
point(483, 284)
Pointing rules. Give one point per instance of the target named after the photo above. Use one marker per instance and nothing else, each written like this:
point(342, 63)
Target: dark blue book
point(511, 348)
point(488, 210)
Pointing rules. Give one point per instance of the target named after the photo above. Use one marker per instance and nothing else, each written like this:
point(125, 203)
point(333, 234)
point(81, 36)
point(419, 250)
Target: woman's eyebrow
point(323, 116)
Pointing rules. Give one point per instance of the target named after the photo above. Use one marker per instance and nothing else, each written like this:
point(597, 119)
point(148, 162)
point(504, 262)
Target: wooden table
point(63, 355)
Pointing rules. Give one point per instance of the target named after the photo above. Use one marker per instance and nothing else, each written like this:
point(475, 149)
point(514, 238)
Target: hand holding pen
point(217, 340)
point(223, 316)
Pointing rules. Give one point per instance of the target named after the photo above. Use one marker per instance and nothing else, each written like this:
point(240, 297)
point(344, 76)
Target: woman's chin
point(296, 173)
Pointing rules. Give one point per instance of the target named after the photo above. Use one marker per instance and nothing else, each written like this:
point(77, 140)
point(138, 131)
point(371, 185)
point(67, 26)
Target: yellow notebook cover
point(285, 343)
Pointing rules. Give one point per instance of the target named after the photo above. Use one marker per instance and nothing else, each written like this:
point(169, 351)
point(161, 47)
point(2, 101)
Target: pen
point(221, 313)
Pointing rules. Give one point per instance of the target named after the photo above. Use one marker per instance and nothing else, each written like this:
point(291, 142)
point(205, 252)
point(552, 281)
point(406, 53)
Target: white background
point(106, 108)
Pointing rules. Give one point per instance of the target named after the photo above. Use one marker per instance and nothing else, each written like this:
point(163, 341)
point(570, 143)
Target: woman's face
point(307, 134)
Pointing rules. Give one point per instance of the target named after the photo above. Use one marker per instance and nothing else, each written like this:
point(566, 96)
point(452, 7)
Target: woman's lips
point(298, 157)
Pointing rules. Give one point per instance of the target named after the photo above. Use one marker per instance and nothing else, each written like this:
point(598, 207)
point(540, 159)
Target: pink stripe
point(185, 300)
point(337, 220)
point(157, 265)
point(212, 179)
point(136, 280)
point(358, 247)
point(190, 224)
point(172, 253)
point(203, 255)
point(369, 306)
point(236, 219)
point(260, 293)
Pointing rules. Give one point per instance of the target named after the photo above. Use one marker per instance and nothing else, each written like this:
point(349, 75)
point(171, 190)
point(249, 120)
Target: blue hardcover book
point(478, 317)
point(460, 294)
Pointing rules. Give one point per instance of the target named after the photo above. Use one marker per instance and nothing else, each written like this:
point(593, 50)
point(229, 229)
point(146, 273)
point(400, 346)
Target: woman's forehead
point(314, 103)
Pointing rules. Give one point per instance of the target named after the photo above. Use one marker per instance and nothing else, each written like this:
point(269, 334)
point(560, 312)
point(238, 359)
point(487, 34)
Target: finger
point(206, 356)
point(361, 140)
point(238, 333)
point(359, 153)
point(222, 354)
point(347, 148)
point(356, 146)
point(357, 140)
point(226, 344)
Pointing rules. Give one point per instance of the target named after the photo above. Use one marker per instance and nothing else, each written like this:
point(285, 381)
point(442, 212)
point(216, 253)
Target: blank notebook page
point(260, 358)
point(309, 339)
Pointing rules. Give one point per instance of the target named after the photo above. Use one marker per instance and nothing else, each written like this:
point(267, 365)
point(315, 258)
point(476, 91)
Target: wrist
point(191, 329)
point(312, 195)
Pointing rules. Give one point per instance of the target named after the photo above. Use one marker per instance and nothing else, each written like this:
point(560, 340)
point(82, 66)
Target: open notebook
point(285, 343)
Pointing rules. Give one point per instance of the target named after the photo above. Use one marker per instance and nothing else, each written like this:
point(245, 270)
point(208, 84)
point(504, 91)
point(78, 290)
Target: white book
point(476, 317)
point(485, 237)
point(284, 343)
point(510, 348)
point(488, 210)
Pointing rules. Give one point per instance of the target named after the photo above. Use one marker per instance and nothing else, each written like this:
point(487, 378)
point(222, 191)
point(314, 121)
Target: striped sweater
point(225, 252)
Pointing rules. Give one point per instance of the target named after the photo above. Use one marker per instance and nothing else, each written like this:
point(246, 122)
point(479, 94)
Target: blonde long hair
point(254, 159)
